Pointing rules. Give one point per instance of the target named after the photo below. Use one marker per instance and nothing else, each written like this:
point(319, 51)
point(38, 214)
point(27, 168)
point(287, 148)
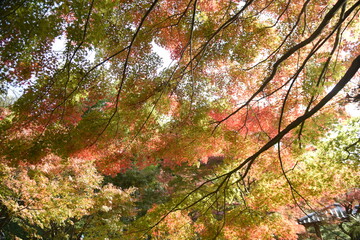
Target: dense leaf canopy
point(235, 137)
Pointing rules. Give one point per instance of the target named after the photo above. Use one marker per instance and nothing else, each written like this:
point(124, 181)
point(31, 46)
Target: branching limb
point(337, 88)
point(124, 73)
point(292, 50)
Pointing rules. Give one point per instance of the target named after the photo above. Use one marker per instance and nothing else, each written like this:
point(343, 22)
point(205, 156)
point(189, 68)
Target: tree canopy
point(243, 132)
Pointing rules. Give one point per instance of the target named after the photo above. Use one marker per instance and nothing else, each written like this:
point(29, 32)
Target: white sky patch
point(164, 119)
point(240, 5)
point(58, 47)
point(164, 55)
point(91, 55)
point(59, 44)
point(266, 18)
point(353, 109)
point(14, 93)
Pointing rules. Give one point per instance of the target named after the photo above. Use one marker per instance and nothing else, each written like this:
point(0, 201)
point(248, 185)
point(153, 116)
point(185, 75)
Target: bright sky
point(164, 55)
point(352, 109)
